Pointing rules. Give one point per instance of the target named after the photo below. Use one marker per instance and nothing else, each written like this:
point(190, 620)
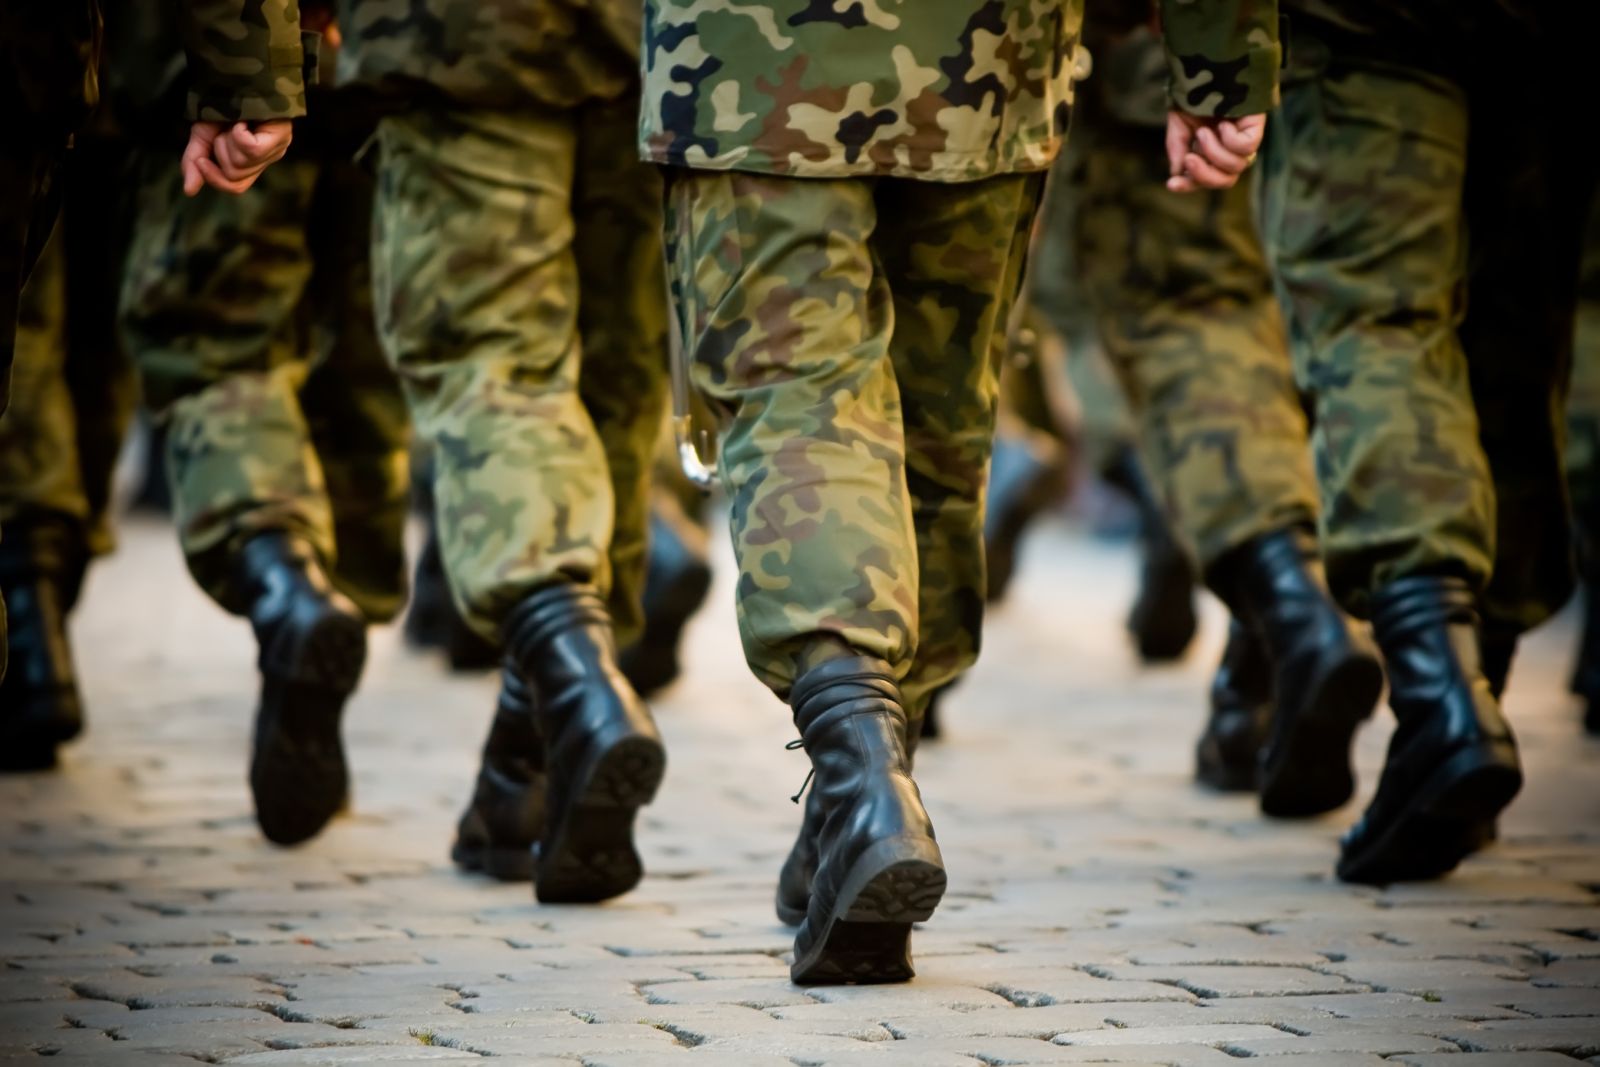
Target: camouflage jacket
point(246, 60)
point(501, 54)
point(942, 90)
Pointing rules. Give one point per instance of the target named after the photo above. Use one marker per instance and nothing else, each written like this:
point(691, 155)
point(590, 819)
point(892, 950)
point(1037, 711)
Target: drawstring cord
point(799, 742)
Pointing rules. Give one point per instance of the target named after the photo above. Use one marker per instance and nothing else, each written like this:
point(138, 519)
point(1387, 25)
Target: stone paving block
point(923, 994)
point(1331, 1059)
point(1039, 1023)
point(1488, 1059)
point(338, 1057)
point(1168, 1055)
point(1403, 1005)
point(687, 1058)
point(1574, 972)
point(1556, 1001)
point(1576, 1037)
point(1244, 981)
point(1214, 1035)
point(1379, 1044)
point(753, 993)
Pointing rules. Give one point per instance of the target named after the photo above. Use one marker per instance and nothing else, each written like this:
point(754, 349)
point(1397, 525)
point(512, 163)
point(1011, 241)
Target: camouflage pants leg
point(1362, 216)
point(478, 278)
point(850, 332)
point(352, 401)
point(1583, 403)
point(210, 311)
point(1185, 310)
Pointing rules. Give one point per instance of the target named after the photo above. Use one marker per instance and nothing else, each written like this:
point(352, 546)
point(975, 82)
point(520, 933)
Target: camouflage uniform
point(1185, 310)
point(251, 321)
point(850, 326)
point(1379, 98)
point(519, 285)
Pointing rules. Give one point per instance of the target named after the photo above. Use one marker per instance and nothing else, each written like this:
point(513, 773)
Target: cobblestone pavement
point(1101, 908)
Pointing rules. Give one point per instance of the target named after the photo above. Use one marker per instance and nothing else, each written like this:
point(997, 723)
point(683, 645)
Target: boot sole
point(589, 856)
point(1450, 817)
point(317, 671)
point(1224, 777)
point(501, 864)
point(1308, 770)
point(866, 936)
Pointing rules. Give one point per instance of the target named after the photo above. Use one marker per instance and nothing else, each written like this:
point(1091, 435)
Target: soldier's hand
point(232, 156)
point(1207, 153)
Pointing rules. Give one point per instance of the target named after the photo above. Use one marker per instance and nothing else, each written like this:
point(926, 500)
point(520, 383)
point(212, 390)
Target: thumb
point(1179, 136)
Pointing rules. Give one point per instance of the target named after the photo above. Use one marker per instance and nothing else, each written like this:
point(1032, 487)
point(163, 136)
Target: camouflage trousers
point(1437, 378)
point(850, 332)
point(1183, 303)
point(1583, 404)
point(521, 297)
point(75, 390)
point(251, 322)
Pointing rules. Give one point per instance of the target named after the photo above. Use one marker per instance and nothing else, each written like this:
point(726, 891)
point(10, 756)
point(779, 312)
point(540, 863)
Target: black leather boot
point(879, 868)
point(1024, 481)
point(1452, 765)
point(676, 582)
point(1162, 620)
point(41, 570)
point(498, 831)
point(432, 620)
point(1229, 751)
point(313, 645)
point(1497, 647)
point(1326, 678)
point(603, 756)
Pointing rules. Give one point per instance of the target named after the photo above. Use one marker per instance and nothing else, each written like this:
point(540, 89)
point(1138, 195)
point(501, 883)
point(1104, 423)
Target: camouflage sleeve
point(1223, 55)
point(245, 59)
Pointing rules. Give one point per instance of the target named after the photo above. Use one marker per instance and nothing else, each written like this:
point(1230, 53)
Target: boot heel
point(1307, 771)
point(867, 938)
point(589, 855)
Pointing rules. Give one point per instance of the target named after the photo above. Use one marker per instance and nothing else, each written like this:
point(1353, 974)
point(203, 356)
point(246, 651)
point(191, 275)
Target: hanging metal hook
point(702, 475)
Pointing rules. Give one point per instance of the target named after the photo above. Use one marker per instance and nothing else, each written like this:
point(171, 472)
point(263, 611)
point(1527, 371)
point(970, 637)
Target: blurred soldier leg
point(217, 312)
point(1185, 310)
point(432, 619)
point(1409, 466)
point(1162, 620)
point(58, 448)
point(480, 261)
point(854, 453)
point(1583, 472)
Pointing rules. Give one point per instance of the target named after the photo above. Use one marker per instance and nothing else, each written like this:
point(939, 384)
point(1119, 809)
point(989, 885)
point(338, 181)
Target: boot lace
point(799, 742)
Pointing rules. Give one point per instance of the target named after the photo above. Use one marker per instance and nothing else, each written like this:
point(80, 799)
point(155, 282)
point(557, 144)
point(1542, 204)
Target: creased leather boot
point(498, 831)
point(313, 645)
point(1229, 751)
point(41, 570)
point(1326, 677)
point(1452, 765)
point(603, 755)
point(879, 868)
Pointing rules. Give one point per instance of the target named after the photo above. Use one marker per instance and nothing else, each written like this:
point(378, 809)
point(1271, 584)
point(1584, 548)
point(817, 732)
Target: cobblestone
point(1101, 909)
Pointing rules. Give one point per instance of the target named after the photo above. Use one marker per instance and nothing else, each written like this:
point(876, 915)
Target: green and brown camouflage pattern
point(246, 59)
point(251, 321)
point(954, 91)
point(498, 54)
point(1184, 307)
point(850, 335)
point(521, 299)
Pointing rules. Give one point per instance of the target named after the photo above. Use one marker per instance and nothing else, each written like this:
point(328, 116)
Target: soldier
point(74, 392)
point(1436, 375)
point(519, 286)
point(250, 319)
point(1185, 309)
point(848, 326)
point(246, 79)
point(1583, 472)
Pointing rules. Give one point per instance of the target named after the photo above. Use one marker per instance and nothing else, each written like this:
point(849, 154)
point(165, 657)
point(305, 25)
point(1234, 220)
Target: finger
point(226, 156)
point(1205, 175)
point(1241, 140)
point(193, 179)
point(1217, 155)
point(217, 180)
point(1181, 184)
point(1178, 138)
